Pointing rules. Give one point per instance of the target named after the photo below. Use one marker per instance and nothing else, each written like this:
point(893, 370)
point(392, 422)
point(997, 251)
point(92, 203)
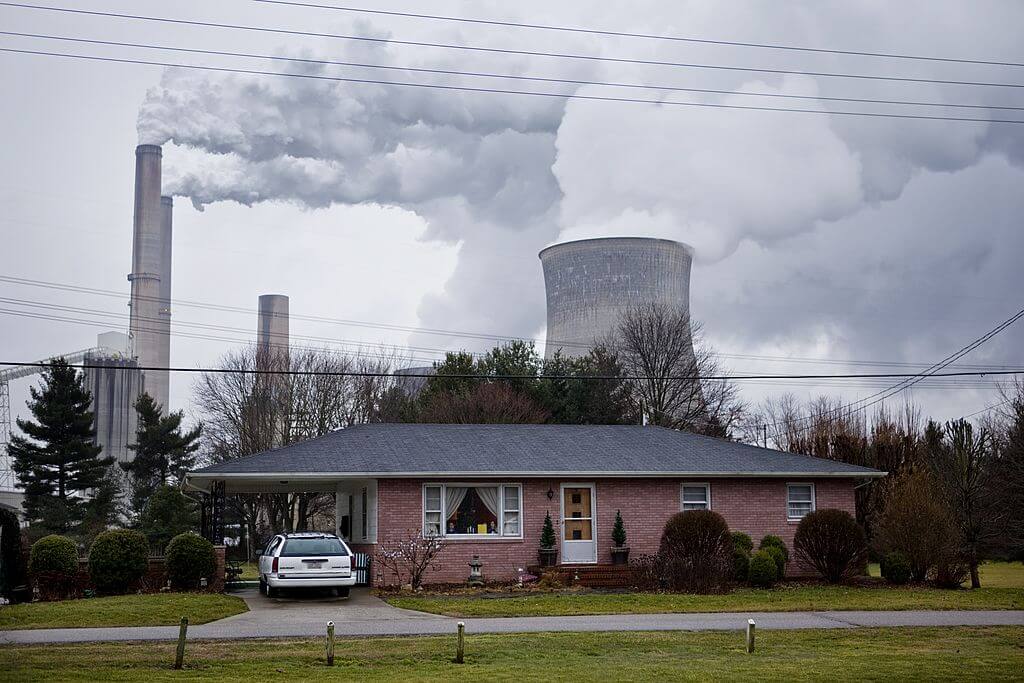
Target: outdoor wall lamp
point(551, 494)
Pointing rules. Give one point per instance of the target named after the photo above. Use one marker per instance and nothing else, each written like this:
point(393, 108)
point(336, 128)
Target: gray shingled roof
point(430, 449)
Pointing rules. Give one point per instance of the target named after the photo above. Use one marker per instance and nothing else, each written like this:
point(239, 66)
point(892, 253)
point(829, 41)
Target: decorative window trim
point(814, 503)
point(502, 510)
point(695, 484)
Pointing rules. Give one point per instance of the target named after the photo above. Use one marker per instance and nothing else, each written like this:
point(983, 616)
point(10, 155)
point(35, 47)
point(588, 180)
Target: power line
point(490, 337)
point(508, 51)
point(505, 76)
point(648, 36)
point(563, 96)
point(676, 378)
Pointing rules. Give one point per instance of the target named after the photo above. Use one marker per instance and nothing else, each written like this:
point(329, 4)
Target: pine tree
point(56, 461)
point(162, 452)
point(547, 533)
point(618, 530)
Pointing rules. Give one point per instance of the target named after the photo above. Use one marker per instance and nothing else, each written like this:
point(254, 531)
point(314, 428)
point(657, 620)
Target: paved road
point(365, 615)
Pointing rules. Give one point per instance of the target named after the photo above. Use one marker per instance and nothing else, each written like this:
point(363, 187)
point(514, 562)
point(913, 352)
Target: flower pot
point(547, 557)
point(620, 555)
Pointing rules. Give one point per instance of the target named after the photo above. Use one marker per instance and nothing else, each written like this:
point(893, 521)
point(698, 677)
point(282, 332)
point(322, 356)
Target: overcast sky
point(817, 237)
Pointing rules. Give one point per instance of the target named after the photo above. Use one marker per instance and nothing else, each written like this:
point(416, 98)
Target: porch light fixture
point(551, 494)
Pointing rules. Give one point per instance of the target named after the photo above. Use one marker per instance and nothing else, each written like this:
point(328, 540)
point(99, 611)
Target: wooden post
point(460, 649)
point(330, 643)
point(179, 656)
point(750, 636)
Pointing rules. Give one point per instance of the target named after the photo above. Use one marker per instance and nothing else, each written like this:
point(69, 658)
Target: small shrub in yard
point(189, 558)
point(117, 560)
point(764, 571)
point(895, 568)
point(740, 564)
point(771, 540)
point(53, 564)
point(742, 541)
point(646, 572)
point(833, 543)
point(696, 552)
point(775, 552)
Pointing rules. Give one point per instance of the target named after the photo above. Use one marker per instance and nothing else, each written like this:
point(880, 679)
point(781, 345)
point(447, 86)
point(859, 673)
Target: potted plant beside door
point(548, 553)
point(620, 551)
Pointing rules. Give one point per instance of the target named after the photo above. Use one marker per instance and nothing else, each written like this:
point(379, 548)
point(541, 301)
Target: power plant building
point(591, 283)
point(115, 387)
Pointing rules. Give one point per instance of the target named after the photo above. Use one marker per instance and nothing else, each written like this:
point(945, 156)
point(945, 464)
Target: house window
point(463, 510)
point(799, 500)
point(695, 497)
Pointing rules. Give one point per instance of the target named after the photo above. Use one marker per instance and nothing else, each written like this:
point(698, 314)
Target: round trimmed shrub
point(696, 552)
point(189, 558)
point(117, 560)
point(53, 564)
point(896, 568)
point(742, 542)
point(764, 571)
point(54, 553)
point(832, 542)
point(773, 541)
point(775, 552)
point(740, 565)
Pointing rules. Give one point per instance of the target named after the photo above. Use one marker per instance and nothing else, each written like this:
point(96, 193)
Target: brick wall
point(754, 506)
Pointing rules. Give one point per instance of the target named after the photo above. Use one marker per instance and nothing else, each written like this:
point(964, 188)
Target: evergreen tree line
point(72, 488)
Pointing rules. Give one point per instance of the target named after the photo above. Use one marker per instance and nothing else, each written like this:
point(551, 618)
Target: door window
point(579, 525)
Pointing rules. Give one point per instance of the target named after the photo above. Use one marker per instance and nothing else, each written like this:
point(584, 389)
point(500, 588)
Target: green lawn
point(157, 609)
point(1003, 588)
point(953, 654)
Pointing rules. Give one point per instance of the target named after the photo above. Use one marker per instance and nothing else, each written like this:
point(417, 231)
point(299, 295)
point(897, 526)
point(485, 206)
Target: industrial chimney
point(591, 283)
point(149, 326)
point(272, 357)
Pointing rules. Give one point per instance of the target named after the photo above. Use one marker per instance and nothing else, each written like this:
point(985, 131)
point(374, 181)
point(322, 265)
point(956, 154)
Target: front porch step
point(590, 575)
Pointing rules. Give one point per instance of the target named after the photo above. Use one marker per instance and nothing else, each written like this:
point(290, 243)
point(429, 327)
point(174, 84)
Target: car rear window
point(303, 547)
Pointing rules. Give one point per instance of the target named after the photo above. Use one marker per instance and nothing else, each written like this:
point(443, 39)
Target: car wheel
point(263, 587)
point(272, 592)
point(342, 592)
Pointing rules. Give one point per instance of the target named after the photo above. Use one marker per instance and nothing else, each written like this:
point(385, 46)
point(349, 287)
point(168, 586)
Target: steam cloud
point(503, 176)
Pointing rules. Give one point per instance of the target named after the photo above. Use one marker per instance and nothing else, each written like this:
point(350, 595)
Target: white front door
point(579, 532)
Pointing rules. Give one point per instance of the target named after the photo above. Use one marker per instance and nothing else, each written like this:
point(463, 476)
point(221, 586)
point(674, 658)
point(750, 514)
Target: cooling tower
point(151, 245)
point(591, 283)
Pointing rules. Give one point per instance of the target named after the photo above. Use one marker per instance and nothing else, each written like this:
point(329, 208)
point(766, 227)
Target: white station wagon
point(306, 560)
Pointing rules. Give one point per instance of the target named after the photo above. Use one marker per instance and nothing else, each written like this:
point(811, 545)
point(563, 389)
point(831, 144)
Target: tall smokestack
point(272, 355)
point(150, 341)
point(166, 229)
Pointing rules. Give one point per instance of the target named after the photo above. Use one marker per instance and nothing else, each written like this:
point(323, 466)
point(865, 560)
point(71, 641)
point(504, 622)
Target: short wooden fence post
point(460, 648)
point(750, 636)
point(179, 656)
point(330, 643)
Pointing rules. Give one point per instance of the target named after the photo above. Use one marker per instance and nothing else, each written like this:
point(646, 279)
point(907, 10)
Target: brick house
point(487, 488)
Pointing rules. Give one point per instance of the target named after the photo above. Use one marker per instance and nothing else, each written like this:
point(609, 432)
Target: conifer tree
point(56, 462)
point(162, 452)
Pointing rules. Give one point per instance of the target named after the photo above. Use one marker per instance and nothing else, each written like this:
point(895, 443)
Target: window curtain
point(453, 497)
point(489, 495)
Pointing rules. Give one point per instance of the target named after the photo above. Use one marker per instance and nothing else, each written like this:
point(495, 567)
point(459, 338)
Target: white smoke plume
point(503, 176)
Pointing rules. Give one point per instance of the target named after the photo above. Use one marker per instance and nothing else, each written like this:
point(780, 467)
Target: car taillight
point(273, 567)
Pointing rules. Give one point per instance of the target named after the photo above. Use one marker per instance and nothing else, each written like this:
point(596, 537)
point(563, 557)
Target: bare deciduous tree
point(664, 349)
point(495, 403)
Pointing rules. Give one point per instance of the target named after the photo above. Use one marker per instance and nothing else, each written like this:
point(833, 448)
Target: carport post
point(330, 643)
